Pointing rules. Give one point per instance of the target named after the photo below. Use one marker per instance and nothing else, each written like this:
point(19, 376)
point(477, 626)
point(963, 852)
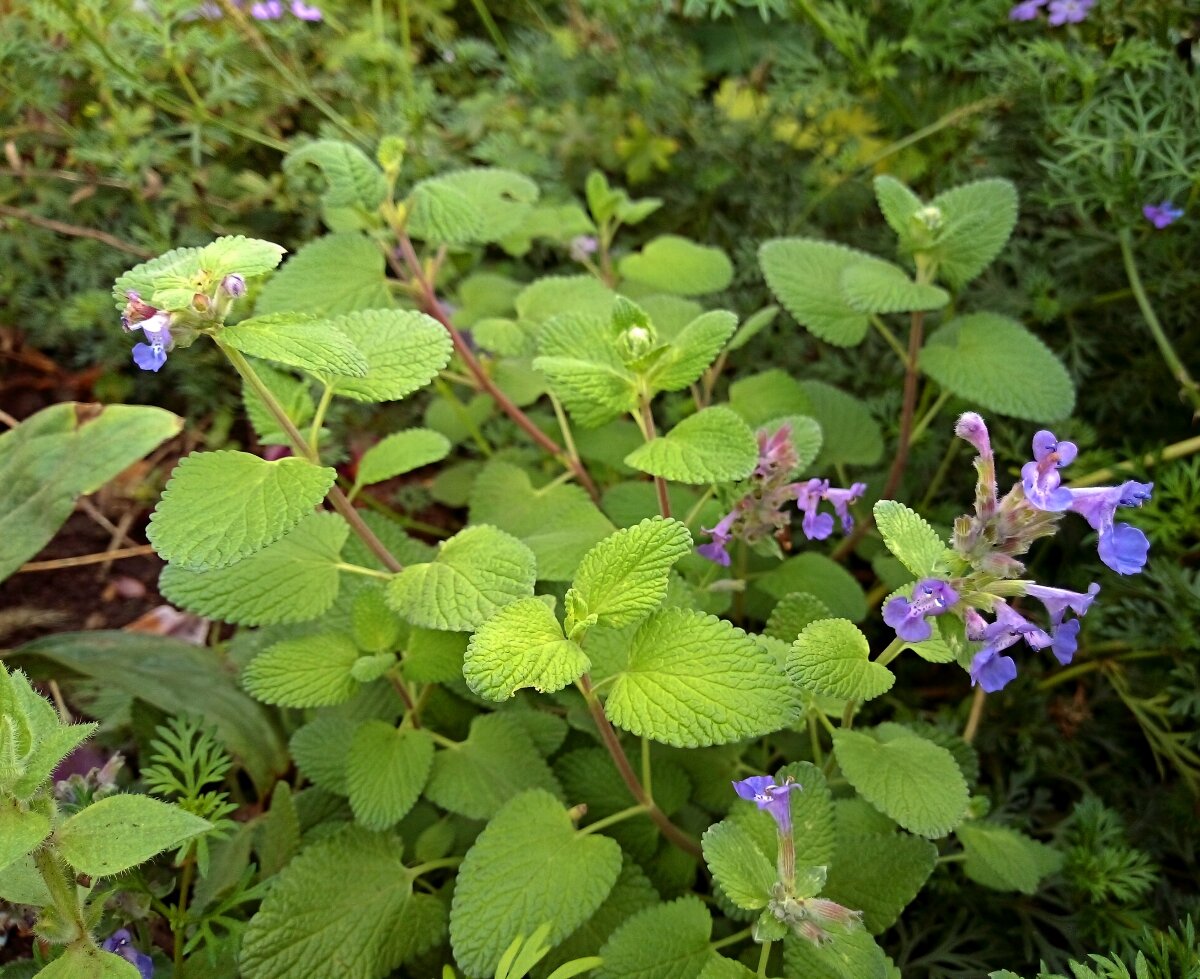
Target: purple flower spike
point(715, 549)
point(972, 427)
point(1068, 11)
point(1058, 600)
point(267, 10)
point(1027, 10)
point(1161, 215)
point(1040, 478)
point(1124, 549)
point(775, 451)
point(992, 671)
point(306, 12)
point(121, 943)
point(775, 799)
point(908, 618)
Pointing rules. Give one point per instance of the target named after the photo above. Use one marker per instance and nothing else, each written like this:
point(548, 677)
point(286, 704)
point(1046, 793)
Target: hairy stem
point(62, 889)
point(975, 716)
point(649, 433)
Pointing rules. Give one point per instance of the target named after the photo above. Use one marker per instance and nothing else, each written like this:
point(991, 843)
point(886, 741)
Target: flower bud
point(234, 285)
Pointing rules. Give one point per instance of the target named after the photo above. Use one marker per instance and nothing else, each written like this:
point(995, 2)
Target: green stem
point(62, 889)
point(814, 740)
point(951, 858)
point(314, 434)
point(763, 955)
point(890, 652)
point(445, 742)
point(464, 416)
point(737, 936)
point(445, 863)
point(489, 25)
point(359, 569)
point(179, 916)
point(649, 434)
point(616, 817)
point(564, 427)
point(934, 409)
point(694, 512)
point(1080, 669)
point(975, 716)
point(647, 782)
point(893, 341)
point(337, 499)
point(1176, 450)
point(1188, 387)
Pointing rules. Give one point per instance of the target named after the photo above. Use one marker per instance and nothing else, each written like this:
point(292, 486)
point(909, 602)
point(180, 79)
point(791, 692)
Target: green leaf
point(977, 219)
point(559, 523)
point(476, 572)
point(335, 274)
point(121, 831)
point(755, 324)
point(60, 453)
point(522, 645)
point(880, 287)
point(376, 628)
point(804, 275)
point(916, 782)
point(712, 446)
point(669, 941)
point(624, 577)
point(1004, 859)
point(247, 257)
point(177, 268)
point(312, 671)
point(577, 354)
point(994, 362)
point(678, 265)
point(354, 179)
point(744, 872)
point(361, 929)
point(851, 434)
point(399, 453)
point(909, 537)
point(404, 350)
point(692, 350)
point(694, 680)
point(820, 577)
point(831, 657)
point(320, 749)
point(497, 762)
point(719, 967)
point(220, 507)
point(555, 295)
point(298, 340)
point(879, 874)
point(760, 398)
point(433, 656)
point(386, 770)
point(293, 580)
point(88, 962)
point(851, 955)
point(469, 206)
point(528, 867)
point(793, 613)
point(20, 832)
point(897, 203)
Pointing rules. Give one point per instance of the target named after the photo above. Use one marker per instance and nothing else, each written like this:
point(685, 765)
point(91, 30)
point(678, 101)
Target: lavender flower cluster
point(761, 511)
point(157, 324)
point(265, 10)
point(986, 547)
point(1059, 12)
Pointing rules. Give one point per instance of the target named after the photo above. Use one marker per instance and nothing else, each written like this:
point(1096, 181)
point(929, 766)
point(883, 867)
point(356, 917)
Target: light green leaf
point(624, 577)
point(693, 680)
point(528, 867)
point(755, 324)
point(176, 269)
point(386, 770)
point(361, 929)
point(89, 962)
point(220, 507)
point(60, 453)
point(335, 274)
point(20, 832)
point(376, 627)
point(298, 340)
point(577, 354)
point(468, 206)
point(497, 762)
point(851, 434)
point(897, 203)
point(669, 941)
point(820, 577)
point(320, 749)
point(793, 613)
point(678, 265)
point(744, 871)
point(804, 274)
point(354, 179)
point(522, 645)
point(559, 523)
point(712, 446)
point(880, 287)
point(760, 398)
point(692, 350)
point(879, 874)
point(831, 657)
point(916, 782)
point(909, 537)
point(977, 219)
point(121, 831)
point(433, 656)
point(308, 672)
point(247, 257)
point(994, 362)
point(476, 572)
point(401, 452)
point(293, 580)
point(1004, 859)
point(851, 955)
point(719, 967)
point(555, 295)
point(404, 350)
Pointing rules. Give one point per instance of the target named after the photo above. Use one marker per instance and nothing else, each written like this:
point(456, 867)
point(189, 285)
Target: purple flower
point(841, 499)
point(775, 452)
point(1058, 600)
point(775, 799)
point(1065, 640)
point(715, 549)
point(971, 426)
point(988, 668)
point(809, 494)
point(1040, 478)
point(121, 943)
point(304, 11)
point(908, 618)
point(1068, 11)
point(992, 671)
point(151, 356)
point(1161, 215)
point(581, 245)
point(1027, 10)
point(234, 285)
point(1124, 548)
point(267, 10)
point(1098, 504)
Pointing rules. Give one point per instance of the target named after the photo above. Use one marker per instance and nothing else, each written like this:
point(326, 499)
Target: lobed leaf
point(522, 645)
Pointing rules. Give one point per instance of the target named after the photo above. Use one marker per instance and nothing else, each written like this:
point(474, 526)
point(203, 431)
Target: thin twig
point(75, 231)
point(142, 550)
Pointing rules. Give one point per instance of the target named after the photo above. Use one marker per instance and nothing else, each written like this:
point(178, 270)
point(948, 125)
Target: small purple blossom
point(1027, 10)
point(1124, 549)
point(908, 617)
point(267, 10)
point(992, 671)
point(721, 535)
point(989, 669)
point(1058, 600)
point(151, 356)
point(775, 799)
point(1068, 11)
point(973, 429)
point(809, 494)
point(582, 246)
point(1161, 215)
point(305, 11)
point(234, 285)
point(121, 943)
point(1040, 478)
point(1065, 640)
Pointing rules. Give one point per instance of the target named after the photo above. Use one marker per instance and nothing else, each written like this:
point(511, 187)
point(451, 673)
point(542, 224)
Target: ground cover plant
point(691, 524)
